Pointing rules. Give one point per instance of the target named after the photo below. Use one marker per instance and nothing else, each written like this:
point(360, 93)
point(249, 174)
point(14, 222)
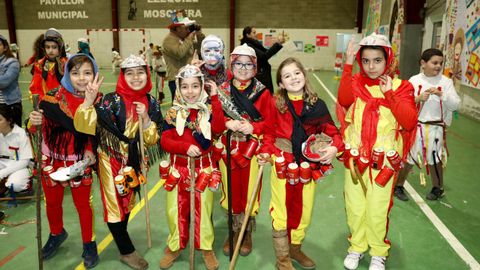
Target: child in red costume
point(62, 146)
point(190, 126)
point(298, 113)
point(379, 121)
point(246, 103)
point(48, 71)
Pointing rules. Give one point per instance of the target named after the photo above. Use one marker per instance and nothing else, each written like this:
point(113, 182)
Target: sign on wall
point(158, 13)
point(63, 14)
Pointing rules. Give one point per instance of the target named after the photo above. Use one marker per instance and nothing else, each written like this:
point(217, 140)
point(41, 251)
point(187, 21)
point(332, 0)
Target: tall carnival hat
point(212, 51)
point(243, 50)
point(179, 18)
point(374, 40)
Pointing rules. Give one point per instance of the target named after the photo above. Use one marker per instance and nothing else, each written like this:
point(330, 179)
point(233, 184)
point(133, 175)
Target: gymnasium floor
point(416, 242)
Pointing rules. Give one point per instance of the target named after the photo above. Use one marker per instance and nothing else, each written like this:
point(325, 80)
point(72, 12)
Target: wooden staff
point(36, 101)
point(145, 189)
point(229, 194)
point(247, 216)
point(18, 198)
point(192, 213)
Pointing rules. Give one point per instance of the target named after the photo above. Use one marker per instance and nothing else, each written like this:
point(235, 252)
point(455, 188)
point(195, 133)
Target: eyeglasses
point(247, 66)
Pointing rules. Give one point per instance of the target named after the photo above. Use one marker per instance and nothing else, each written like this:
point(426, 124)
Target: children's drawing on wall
point(298, 45)
point(309, 48)
point(454, 71)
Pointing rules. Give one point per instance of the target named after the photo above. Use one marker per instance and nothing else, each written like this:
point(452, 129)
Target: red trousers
point(81, 196)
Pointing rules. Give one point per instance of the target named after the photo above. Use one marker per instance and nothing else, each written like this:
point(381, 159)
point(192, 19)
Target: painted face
point(243, 68)
point(80, 76)
point(373, 63)
point(212, 53)
point(136, 78)
point(432, 67)
point(4, 125)
point(51, 49)
point(3, 49)
point(293, 79)
point(190, 89)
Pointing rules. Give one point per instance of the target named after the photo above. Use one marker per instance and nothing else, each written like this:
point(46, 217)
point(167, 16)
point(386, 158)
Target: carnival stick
point(18, 198)
point(356, 175)
point(229, 194)
point(36, 100)
point(247, 216)
point(192, 213)
point(145, 189)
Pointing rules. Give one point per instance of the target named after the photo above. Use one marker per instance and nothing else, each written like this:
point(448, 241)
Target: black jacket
point(264, 70)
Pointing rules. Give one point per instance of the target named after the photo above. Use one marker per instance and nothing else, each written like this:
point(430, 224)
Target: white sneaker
point(352, 259)
point(377, 263)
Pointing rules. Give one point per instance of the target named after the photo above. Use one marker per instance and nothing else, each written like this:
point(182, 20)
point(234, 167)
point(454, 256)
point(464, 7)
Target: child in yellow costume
point(377, 113)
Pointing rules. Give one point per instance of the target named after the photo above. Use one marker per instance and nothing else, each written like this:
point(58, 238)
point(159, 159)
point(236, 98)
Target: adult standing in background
point(178, 45)
point(10, 94)
point(264, 70)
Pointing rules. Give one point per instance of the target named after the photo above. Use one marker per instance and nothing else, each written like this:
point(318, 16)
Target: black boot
point(399, 192)
point(435, 194)
point(90, 255)
point(53, 243)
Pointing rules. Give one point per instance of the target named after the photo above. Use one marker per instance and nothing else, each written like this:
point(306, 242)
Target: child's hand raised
point(385, 83)
point(92, 90)
point(351, 52)
point(211, 86)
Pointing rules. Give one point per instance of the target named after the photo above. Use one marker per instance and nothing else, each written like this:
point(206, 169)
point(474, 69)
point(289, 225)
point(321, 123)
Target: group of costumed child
point(293, 131)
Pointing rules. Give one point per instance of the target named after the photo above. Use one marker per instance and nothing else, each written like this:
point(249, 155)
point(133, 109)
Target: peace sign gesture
point(92, 90)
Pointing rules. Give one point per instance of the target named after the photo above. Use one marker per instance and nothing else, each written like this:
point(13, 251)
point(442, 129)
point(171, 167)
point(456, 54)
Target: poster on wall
point(397, 20)
point(373, 19)
point(309, 48)
point(298, 45)
point(322, 41)
point(269, 40)
point(462, 43)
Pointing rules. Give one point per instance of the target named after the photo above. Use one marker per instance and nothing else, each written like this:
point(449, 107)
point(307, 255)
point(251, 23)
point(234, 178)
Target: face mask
point(212, 54)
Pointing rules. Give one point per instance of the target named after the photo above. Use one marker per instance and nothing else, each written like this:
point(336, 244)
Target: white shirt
point(15, 145)
point(431, 107)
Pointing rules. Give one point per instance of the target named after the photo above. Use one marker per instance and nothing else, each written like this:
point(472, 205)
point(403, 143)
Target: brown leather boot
point(169, 258)
point(296, 254)
point(226, 245)
point(247, 243)
point(211, 262)
point(134, 260)
point(236, 226)
point(280, 244)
